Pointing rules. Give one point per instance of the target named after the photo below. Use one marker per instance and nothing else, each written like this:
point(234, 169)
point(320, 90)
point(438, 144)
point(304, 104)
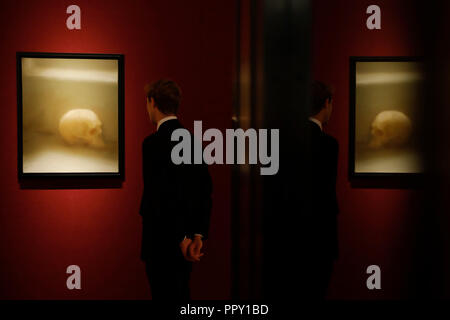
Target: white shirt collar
point(317, 122)
point(160, 122)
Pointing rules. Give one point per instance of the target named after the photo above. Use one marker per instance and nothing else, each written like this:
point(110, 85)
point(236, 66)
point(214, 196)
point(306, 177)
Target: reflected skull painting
point(385, 115)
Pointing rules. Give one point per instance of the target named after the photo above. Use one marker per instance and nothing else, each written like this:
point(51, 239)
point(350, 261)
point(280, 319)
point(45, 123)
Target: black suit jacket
point(176, 200)
point(324, 205)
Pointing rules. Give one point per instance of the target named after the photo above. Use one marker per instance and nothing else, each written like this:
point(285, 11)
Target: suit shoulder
point(313, 128)
point(177, 125)
point(330, 139)
point(149, 139)
point(167, 128)
point(331, 142)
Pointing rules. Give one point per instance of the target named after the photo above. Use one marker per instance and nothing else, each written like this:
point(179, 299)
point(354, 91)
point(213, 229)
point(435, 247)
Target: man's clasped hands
point(191, 248)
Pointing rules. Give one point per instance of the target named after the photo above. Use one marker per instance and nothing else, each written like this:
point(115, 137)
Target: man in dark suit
point(176, 201)
point(321, 220)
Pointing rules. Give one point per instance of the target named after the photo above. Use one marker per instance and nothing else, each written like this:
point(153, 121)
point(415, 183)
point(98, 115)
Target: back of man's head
point(320, 94)
point(166, 94)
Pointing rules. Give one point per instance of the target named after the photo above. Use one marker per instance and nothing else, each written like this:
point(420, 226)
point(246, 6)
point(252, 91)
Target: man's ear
point(152, 102)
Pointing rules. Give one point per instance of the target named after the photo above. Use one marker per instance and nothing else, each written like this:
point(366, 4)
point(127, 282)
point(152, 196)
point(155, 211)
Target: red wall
point(376, 226)
point(42, 231)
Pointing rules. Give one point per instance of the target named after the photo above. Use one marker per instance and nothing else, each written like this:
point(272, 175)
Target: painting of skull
point(386, 104)
point(70, 114)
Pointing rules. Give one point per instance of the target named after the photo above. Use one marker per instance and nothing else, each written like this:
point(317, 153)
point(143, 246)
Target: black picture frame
point(375, 179)
point(72, 176)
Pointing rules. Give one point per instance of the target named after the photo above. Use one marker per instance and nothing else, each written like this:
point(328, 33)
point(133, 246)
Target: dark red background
point(44, 231)
point(376, 226)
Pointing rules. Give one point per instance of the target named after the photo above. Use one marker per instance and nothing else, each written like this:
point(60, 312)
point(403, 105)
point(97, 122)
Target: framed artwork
point(70, 115)
point(386, 98)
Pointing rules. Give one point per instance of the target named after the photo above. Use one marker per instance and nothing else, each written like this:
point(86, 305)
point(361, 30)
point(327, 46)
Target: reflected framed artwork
point(70, 115)
point(386, 105)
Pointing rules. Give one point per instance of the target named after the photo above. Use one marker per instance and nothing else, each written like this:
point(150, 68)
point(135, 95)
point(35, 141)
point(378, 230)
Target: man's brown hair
point(167, 95)
point(320, 93)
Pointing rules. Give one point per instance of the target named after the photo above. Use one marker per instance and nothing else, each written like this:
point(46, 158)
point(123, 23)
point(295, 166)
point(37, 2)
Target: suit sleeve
point(200, 202)
point(206, 203)
point(332, 173)
point(144, 174)
point(194, 201)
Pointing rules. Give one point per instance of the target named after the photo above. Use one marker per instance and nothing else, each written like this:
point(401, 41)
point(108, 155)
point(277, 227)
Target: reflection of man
point(324, 208)
point(176, 201)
